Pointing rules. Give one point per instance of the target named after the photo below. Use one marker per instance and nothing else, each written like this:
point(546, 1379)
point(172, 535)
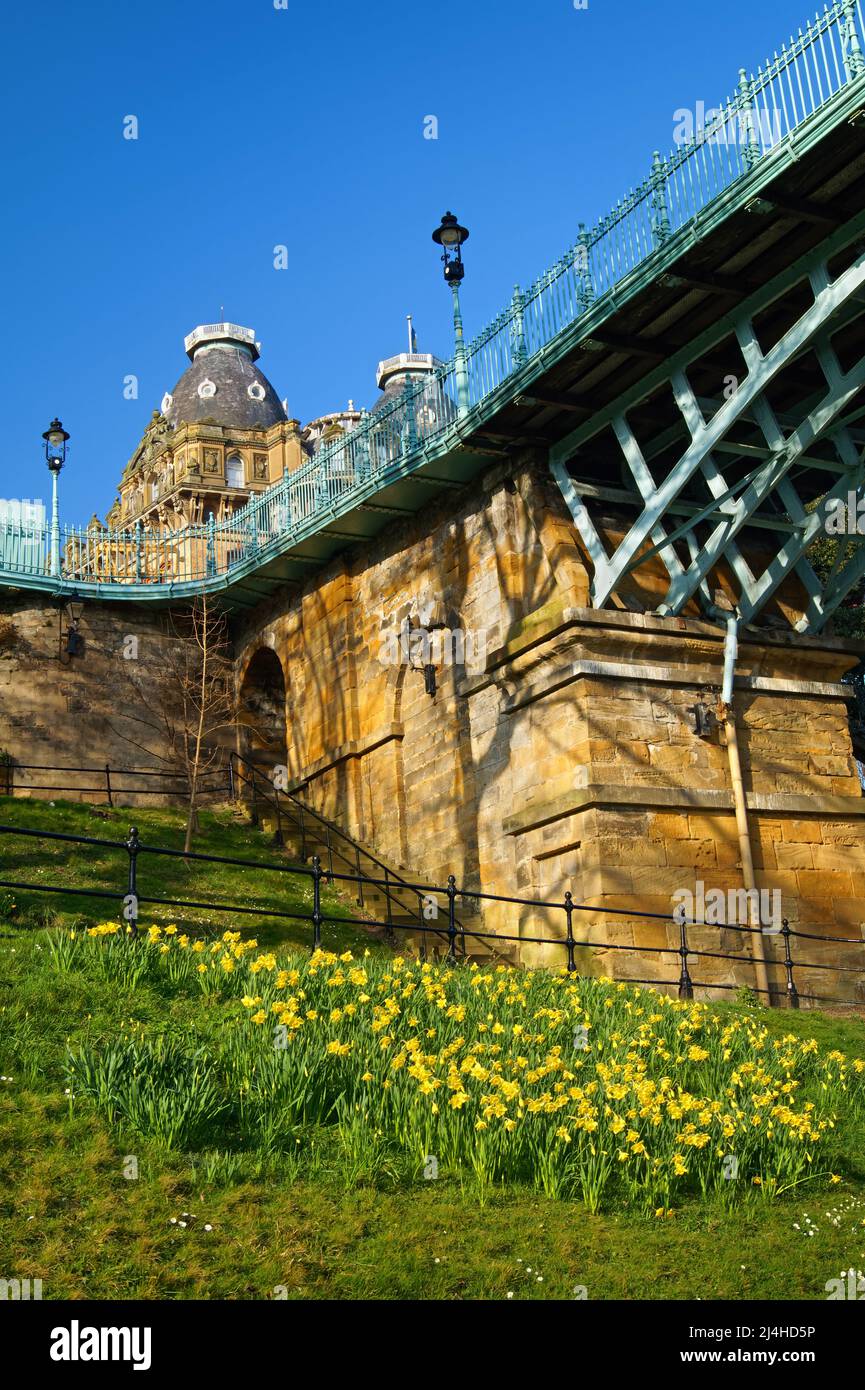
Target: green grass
point(66, 866)
point(298, 1219)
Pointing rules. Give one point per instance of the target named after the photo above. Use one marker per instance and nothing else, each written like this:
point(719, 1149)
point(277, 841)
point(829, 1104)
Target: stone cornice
point(596, 794)
point(647, 630)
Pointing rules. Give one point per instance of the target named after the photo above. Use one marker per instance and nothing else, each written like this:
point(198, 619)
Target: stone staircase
point(383, 894)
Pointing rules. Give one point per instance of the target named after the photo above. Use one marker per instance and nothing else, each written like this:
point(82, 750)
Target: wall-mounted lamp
point(431, 617)
point(705, 720)
point(74, 640)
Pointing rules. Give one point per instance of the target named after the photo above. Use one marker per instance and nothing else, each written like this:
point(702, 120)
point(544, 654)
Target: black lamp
point(74, 640)
point(451, 237)
point(55, 445)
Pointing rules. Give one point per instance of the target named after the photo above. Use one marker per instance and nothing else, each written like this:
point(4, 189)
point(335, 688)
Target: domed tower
point(221, 435)
point(417, 372)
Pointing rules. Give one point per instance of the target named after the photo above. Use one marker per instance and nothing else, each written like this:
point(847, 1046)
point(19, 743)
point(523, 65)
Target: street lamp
point(55, 456)
point(451, 237)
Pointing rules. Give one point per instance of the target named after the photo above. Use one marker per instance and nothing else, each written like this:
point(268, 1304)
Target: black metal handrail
point(685, 983)
point(391, 878)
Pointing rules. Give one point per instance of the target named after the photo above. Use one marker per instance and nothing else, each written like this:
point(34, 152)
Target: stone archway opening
point(261, 713)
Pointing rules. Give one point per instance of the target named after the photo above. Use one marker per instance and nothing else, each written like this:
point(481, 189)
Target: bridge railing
point(713, 150)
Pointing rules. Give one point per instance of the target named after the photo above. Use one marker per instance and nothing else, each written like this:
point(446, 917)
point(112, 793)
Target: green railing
point(711, 156)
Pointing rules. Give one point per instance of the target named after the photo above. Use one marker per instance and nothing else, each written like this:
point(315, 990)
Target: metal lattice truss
point(798, 466)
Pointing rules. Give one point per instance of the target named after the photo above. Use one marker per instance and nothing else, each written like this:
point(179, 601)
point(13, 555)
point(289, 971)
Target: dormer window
point(167, 402)
point(206, 389)
point(255, 391)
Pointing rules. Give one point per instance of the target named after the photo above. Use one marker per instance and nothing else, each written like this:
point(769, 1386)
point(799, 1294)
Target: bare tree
point(190, 711)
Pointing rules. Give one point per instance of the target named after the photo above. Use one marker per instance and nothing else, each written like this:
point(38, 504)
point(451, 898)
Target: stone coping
point(581, 799)
point(697, 678)
point(355, 748)
point(556, 617)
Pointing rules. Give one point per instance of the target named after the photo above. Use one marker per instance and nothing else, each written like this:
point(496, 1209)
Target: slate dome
point(223, 385)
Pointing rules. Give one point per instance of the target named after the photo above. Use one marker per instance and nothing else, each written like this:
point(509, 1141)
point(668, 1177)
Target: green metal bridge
point(695, 360)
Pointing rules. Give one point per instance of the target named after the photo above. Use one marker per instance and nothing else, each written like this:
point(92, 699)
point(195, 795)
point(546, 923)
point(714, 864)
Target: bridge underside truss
point(731, 462)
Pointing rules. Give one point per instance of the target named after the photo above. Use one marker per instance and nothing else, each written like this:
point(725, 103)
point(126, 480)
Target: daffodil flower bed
point(580, 1086)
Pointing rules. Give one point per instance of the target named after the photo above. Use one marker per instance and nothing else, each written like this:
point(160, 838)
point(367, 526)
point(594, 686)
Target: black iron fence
point(129, 897)
point(112, 782)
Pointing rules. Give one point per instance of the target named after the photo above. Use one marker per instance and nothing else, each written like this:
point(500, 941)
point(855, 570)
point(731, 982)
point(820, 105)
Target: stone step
point(312, 839)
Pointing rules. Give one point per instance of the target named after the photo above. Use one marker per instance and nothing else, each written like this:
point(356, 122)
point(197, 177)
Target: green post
point(362, 464)
point(519, 330)
point(460, 367)
point(661, 230)
point(410, 421)
point(585, 288)
point(750, 149)
point(211, 545)
point(853, 59)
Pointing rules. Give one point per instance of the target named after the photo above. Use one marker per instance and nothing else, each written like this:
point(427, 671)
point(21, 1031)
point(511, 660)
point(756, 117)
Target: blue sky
point(304, 127)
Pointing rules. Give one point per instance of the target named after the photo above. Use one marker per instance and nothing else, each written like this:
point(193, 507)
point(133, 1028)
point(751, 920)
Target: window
point(255, 391)
point(234, 471)
point(206, 389)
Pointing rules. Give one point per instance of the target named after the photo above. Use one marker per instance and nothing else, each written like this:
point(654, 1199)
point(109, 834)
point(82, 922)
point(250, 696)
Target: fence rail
point(766, 108)
point(14, 778)
point(129, 899)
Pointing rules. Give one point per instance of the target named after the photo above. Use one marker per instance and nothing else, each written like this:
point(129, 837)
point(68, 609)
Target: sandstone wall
point(86, 711)
point(570, 761)
point(560, 757)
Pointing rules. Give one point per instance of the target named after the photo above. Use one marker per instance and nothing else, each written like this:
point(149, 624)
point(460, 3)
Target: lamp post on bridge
point(55, 456)
point(450, 236)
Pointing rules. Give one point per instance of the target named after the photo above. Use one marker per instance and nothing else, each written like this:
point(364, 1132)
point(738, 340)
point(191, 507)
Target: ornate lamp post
point(55, 456)
point(450, 236)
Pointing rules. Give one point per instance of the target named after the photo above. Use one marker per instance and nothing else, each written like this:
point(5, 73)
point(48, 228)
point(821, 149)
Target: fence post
point(277, 834)
point(302, 835)
point(518, 331)
point(359, 879)
point(661, 229)
point(231, 791)
point(329, 853)
point(852, 50)
point(792, 992)
point(388, 911)
point(585, 287)
point(569, 939)
point(751, 151)
point(316, 902)
point(133, 845)
point(686, 984)
point(108, 783)
point(253, 814)
point(452, 920)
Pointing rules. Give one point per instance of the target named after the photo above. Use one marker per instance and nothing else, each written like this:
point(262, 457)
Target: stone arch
point(262, 710)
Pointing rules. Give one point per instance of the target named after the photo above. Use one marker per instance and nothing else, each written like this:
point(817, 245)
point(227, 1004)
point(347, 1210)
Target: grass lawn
point(313, 1210)
point(68, 866)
